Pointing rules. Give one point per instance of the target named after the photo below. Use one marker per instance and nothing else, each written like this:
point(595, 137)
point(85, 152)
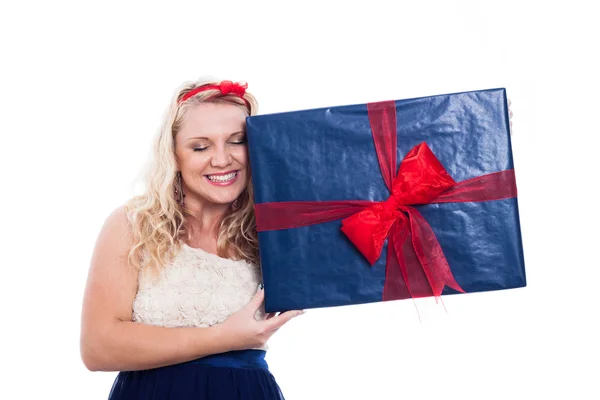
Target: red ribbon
point(416, 265)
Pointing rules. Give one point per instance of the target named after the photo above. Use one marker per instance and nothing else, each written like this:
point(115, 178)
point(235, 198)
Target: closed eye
point(236, 142)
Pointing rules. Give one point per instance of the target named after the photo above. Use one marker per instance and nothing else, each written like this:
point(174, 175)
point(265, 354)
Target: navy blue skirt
point(236, 375)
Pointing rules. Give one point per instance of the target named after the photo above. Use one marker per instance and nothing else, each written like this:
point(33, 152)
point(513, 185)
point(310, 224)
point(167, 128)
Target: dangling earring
point(235, 204)
point(179, 195)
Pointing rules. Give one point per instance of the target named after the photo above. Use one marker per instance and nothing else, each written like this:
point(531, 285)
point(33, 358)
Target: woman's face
point(211, 153)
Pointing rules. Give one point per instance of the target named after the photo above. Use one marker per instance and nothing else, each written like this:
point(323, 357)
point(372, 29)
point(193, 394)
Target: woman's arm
point(110, 341)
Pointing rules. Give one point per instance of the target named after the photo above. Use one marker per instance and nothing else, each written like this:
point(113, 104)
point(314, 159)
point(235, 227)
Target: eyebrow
point(205, 138)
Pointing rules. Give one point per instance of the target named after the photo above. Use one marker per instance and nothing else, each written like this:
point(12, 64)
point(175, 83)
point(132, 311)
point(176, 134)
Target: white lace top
point(197, 289)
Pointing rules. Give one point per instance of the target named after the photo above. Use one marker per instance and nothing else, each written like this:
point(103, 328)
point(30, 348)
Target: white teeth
point(222, 178)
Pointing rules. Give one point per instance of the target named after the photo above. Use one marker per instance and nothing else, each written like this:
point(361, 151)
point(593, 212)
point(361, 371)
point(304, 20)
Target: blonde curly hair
point(158, 222)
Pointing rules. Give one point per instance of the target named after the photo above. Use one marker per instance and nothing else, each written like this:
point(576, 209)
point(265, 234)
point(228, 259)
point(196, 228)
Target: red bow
point(416, 265)
point(238, 88)
point(420, 180)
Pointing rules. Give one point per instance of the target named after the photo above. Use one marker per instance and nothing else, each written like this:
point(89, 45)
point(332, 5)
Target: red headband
point(226, 87)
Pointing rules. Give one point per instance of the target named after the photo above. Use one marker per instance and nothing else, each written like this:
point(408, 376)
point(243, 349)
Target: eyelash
point(239, 142)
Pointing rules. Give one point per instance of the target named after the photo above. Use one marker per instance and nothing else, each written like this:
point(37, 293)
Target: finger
point(271, 315)
point(257, 300)
point(281, 319)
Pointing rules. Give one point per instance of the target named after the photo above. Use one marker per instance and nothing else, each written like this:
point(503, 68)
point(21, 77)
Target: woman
point(174, 294)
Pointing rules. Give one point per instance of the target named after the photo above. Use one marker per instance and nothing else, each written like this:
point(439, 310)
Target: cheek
point(194, 161)
point(241, 156)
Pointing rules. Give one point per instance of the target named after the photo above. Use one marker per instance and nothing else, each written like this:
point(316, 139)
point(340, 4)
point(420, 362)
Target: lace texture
point(198, 289)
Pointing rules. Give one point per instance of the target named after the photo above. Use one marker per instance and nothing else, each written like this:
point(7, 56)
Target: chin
point(223, 198)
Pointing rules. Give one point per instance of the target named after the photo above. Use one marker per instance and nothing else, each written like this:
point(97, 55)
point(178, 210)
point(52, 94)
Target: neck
point(203, 219)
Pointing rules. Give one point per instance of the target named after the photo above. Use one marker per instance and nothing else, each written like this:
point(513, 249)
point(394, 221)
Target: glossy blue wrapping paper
point(328, 154)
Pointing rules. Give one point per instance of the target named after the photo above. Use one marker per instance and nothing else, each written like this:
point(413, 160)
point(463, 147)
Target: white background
point(83, 89)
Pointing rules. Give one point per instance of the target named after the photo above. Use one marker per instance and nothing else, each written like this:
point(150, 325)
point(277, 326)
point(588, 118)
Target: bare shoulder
point(117, 227)
point(114, 243)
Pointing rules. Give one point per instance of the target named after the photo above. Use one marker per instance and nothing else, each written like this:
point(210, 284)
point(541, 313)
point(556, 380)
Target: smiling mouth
point(222, 178)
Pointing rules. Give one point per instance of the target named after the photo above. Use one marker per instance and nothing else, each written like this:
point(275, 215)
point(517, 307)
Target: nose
point(221, 157)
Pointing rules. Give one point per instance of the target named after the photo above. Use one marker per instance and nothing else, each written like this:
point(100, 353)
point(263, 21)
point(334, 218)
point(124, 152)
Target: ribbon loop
point(421, 177)
point(368, 230)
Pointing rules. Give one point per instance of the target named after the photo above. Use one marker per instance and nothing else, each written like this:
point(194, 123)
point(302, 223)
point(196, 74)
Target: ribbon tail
point(396, 275)
point(414, 274)
point(430, 254)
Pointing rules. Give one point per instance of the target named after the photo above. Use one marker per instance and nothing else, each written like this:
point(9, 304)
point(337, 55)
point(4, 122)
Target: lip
point(223, 173)
point(228, 183)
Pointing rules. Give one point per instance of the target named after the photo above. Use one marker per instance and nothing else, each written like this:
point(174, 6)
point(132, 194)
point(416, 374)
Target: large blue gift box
point(384, 201)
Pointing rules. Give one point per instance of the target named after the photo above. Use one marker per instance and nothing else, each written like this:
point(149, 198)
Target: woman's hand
point(242, 331)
